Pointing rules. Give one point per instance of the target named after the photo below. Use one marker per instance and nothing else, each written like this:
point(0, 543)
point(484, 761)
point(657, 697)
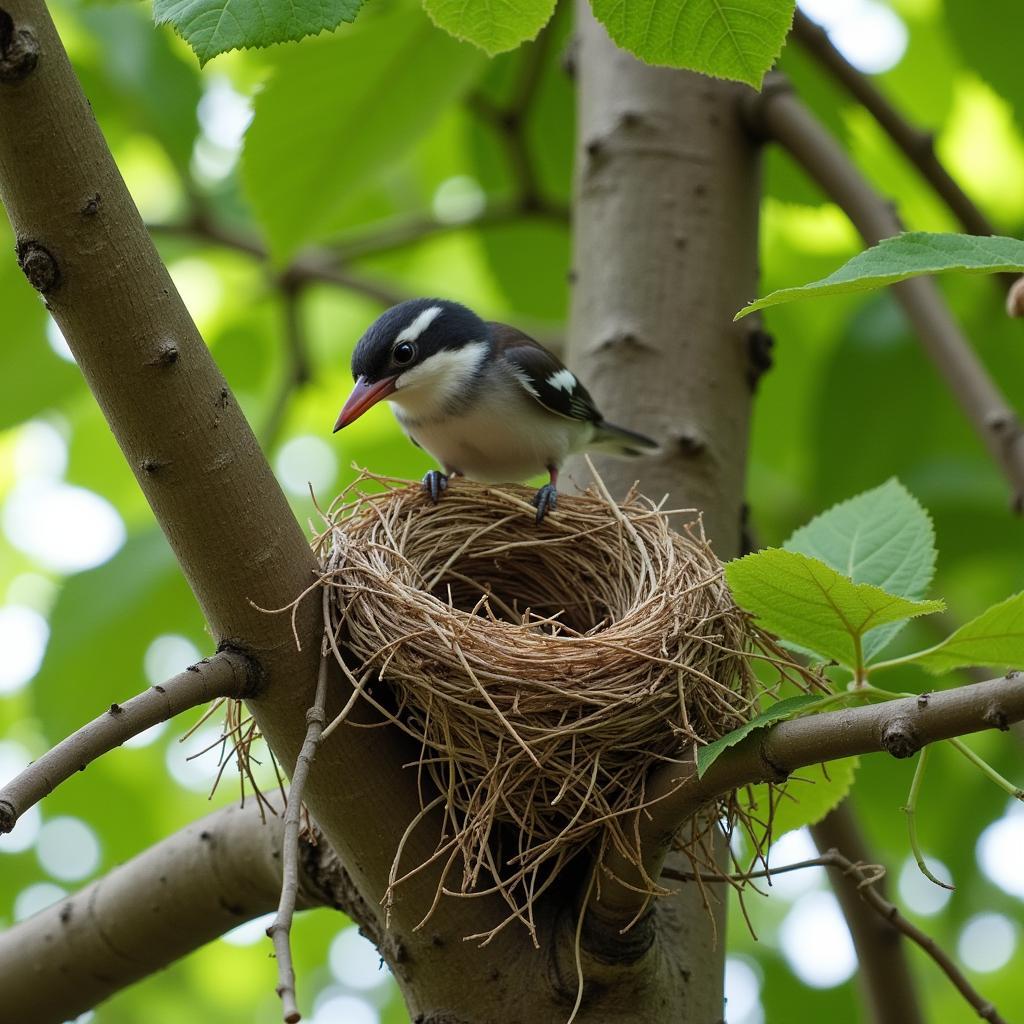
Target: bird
point(484, 399)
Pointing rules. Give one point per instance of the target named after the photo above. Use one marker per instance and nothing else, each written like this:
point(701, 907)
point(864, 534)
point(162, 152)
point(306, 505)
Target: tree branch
point(884, 975)
point(280, 930)
point(82, 244)
point(780, 115)
point(899, 727)
point(866, 882)
point(227, 674)
point(918, 146)
point(161, 905)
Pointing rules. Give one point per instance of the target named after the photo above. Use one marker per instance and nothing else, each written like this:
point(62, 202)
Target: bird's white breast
point(503, 436)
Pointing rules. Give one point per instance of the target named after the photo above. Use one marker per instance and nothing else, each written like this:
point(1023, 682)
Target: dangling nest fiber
point(543, 670)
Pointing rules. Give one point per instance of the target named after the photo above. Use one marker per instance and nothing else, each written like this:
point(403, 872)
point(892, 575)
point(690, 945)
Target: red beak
point(364, 395)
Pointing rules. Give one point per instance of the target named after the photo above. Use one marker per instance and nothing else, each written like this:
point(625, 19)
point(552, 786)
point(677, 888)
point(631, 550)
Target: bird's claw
point(544, 500)
point(435, 483)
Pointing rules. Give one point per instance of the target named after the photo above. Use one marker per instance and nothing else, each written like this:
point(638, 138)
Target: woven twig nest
point(543, 670)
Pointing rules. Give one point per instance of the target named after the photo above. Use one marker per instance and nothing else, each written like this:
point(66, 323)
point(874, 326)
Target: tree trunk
point(665, 252)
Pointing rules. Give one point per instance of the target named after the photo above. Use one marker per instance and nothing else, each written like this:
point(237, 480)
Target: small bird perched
point(487, 401)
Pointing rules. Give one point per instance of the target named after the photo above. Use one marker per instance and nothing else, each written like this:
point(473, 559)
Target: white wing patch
point(563, 379)
point(527, 383)
point(420, 324)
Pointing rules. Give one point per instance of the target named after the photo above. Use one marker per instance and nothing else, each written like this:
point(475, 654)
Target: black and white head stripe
point(432, 325)
point(542, 375)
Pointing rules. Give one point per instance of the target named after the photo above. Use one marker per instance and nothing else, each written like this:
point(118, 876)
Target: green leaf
point(739, 40)
point(216, 26)
point(706, 756)
point(807, 799)
point(883, 537)
point(808, 603)
point(995, 637)
point(493, 25)
point(344, 110)
point(913, 254)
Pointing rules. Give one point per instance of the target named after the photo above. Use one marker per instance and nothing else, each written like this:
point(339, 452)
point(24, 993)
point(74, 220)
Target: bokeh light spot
point(168, 655)
point(816, 943)
point(987, 942)
point(921, 894)
point(35, 898)
point(355, 962)
point(305, 461)
point(68, 849)
point(66, 529)
point(23, 637)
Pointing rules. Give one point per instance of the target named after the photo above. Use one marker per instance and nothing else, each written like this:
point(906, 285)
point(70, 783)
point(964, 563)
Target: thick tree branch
point(918, 146)
point(227, 674)
point(161, 905)
point(899, 727)
point(82, 244)
point(884, 975)
point(780, 115)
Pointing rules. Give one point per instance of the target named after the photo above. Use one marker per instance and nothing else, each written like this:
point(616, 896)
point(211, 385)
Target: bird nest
point(543, 671)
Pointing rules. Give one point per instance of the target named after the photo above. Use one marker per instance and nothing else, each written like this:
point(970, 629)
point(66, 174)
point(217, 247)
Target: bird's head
point(421, 354)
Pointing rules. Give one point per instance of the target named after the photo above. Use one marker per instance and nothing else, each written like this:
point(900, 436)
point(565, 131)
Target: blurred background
point(289, 216)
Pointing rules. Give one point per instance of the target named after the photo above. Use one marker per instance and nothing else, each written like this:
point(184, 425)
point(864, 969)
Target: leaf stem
point(979, 762)
point(910, 809)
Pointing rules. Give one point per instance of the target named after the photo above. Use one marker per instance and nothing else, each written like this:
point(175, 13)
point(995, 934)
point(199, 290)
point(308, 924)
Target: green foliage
point(777, 712)
point(883, 537)
point(740, 40)
point(211, 27)
point(850, 401)
point(302, 170)
point(983, 35)
point(996, 638)
point(808, 603)
point(913, 254)
point(493, 25)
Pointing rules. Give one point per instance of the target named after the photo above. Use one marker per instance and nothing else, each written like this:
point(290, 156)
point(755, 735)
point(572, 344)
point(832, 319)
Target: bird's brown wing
point(542, 375)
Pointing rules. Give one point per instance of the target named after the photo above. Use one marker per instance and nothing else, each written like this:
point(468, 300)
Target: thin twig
point(226, 674)
point(867, 877)
point(280, 930)
point(910, 809)
point(778, 113)
point(297, 371)
point(918, 146)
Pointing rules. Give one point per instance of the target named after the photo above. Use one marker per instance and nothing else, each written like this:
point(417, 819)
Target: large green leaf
point(883, 537)
point(216, 26)
point(739, 40)
point(339, 112)
point(995, 637)
point(493, 25)
point(913, 254)
point(808, 603)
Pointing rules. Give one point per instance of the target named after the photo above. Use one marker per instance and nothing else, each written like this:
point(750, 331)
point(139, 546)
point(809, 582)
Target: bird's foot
point(435, 483)
point(544, 500)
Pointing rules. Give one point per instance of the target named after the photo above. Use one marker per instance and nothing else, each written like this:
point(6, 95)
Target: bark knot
point(38, 265)
point(19, 51)
point(900, 738)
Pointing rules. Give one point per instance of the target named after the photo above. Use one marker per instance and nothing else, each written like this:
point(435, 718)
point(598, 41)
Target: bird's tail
point(615, 440)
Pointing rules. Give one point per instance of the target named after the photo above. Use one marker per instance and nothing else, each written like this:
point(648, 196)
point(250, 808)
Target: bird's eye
point(404, 353)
